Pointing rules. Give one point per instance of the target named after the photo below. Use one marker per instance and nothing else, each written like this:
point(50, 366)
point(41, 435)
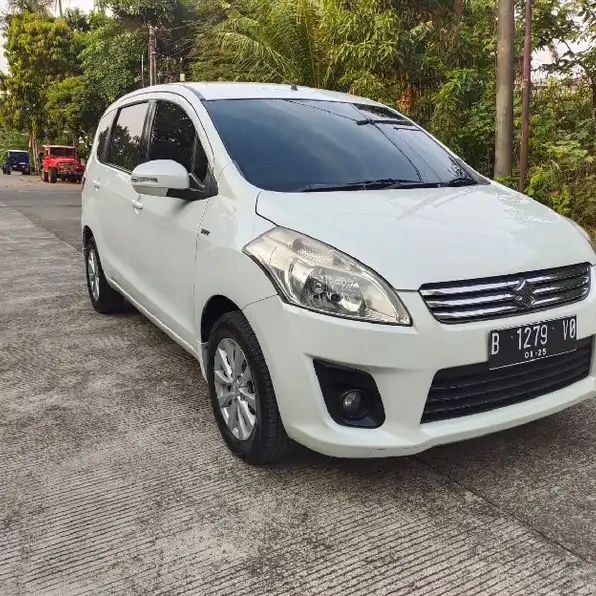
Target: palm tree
point(284, 44)
point(34, 5)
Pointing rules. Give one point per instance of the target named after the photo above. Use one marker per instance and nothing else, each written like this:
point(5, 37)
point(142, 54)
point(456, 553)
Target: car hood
point(417, 236)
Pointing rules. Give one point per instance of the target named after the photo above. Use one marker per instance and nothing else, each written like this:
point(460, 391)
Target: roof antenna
point(294, 87)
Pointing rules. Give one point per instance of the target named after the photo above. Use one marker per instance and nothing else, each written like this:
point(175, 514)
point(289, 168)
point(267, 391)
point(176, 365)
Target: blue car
point(16, 160)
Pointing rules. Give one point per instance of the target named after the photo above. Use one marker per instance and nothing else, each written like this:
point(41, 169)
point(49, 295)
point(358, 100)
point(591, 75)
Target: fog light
point(351, 403)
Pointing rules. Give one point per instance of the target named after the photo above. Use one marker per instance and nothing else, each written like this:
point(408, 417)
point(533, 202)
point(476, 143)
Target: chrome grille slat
point(491, 298)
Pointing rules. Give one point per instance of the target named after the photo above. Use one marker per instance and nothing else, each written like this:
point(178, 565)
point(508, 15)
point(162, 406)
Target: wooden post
point(504, 119)
point(526, 99)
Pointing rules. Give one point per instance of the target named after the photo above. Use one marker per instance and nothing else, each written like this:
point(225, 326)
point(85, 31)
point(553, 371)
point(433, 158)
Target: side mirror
point(160, 176)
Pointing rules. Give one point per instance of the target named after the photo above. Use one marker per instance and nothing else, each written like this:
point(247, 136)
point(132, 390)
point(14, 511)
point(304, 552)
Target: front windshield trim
point(280, 149)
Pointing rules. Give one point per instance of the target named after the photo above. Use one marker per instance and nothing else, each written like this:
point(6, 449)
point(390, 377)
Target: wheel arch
point(215, 308)
point(87, 234)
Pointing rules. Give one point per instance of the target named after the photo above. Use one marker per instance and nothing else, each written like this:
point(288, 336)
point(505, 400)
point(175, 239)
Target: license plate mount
point(528, 343)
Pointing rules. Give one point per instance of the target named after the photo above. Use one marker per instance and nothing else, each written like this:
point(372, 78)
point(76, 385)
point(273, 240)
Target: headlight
point(582, 232)
point(315, 276)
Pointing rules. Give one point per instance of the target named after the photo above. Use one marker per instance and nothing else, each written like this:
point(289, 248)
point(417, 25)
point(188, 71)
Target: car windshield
point(17, 155)
point(302, 145)
point(62, 152)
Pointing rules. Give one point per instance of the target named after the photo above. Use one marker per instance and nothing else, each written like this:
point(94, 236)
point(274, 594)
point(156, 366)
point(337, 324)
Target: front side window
point(297, 145)
point(126, 143)
point(173, 136)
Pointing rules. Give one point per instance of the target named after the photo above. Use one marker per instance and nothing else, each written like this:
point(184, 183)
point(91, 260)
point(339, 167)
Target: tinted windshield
point(62, 152)
point(287, 145)
point(21, 155)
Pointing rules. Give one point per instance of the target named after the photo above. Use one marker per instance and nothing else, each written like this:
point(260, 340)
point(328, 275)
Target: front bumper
point(403, 362)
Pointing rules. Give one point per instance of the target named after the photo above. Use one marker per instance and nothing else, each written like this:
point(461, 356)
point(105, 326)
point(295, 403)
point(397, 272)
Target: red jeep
point(60, 161)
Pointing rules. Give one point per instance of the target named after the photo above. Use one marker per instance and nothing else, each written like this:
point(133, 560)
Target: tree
point(279, 41)
point(39, 49)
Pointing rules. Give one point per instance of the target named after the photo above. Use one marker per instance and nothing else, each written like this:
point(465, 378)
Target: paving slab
point(114, 480)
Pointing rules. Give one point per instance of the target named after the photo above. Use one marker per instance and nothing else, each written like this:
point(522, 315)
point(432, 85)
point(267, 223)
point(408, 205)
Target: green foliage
point(39, 49)
point(432, 59)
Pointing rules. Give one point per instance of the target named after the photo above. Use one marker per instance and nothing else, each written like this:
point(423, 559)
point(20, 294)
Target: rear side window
point(173, 136)
point(103, 132)
point(126, 143)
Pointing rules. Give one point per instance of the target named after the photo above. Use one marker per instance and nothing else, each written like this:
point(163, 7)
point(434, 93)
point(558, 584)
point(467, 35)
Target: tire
point(268, 443)
point(53, 175)
point(44, 175)
point(104, 298)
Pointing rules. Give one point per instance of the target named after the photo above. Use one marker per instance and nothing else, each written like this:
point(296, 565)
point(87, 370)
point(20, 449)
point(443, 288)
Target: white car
point(344, 280)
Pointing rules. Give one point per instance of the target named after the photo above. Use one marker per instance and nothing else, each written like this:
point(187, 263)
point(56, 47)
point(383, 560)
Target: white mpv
point(344, 280)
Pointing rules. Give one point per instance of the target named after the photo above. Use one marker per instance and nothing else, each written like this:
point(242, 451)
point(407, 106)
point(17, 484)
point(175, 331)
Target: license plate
point(518, 345)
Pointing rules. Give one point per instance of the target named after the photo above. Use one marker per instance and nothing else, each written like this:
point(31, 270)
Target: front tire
point(53, 175)
point(44, 175)
point(104, 298)
point(242, 394)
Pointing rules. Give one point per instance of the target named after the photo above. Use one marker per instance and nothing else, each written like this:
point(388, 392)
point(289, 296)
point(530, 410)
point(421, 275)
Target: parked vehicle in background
point(344, 280)
point(16, 160)
point(60, 162)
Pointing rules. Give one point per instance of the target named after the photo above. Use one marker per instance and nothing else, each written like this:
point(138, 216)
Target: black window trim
point(151, 100)
point(195, 182)
point(144, 144)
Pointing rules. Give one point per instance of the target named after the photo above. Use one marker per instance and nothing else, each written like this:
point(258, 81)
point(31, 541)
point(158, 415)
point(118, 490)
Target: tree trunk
point(504, 119)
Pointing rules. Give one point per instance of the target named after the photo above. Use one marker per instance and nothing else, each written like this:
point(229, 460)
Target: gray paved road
point(114, 481)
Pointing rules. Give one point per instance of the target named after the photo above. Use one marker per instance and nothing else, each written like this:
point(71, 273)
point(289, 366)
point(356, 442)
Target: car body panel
point(172, 257)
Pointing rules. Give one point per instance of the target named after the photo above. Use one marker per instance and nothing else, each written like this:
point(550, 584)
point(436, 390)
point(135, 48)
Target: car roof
point(59, 146)
point(17, 151)
point(234, 90)
point(216, 90)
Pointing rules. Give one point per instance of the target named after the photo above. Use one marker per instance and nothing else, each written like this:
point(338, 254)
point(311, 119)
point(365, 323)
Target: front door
point(165, 228)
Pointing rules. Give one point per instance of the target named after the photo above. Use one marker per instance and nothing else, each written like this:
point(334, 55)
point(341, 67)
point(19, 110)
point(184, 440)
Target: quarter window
point(126, 144)
point(105, 124)
point(173, 136)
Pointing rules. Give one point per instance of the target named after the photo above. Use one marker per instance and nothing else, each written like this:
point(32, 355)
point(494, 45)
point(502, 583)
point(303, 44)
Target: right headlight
point(318, 277)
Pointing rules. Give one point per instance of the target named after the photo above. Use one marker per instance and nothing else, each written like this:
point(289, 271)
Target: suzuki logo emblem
point(524, 294)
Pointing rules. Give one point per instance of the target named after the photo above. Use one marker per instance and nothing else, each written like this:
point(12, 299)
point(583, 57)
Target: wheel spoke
point(249, 397)
point(243, 431)
point(221, 377)
point(246, 375)
point(225, 398)
point(222, 357)
point(233, 415)
point(246, 420)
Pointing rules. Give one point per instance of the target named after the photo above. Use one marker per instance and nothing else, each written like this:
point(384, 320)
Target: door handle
point(137, 204)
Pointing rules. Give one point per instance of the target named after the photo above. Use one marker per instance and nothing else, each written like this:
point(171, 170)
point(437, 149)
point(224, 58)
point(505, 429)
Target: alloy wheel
point(235, 389)
point(93, 274)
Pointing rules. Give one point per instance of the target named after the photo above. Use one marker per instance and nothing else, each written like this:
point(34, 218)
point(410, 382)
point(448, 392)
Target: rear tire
point(104, 298)
point(268, 442)
point(53, 175)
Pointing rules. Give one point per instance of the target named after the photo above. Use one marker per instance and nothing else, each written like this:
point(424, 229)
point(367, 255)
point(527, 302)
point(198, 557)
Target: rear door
point(165, 229)
point(125, 149)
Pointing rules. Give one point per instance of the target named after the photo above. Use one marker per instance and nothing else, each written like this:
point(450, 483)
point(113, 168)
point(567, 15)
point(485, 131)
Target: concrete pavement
point(113, 479)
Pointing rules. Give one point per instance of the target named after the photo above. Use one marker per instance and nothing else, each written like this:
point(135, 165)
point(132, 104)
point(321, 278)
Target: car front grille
point(473, 389)
point(496, 297)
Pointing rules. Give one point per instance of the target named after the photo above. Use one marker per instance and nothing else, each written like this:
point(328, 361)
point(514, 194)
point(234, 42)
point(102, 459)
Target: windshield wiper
point(401, 121)
point(382, 183)
point(461, 181)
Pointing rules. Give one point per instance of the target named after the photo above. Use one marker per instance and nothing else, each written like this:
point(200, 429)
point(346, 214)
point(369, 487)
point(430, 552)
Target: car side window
point(126, 143)
point(104, 127)
point(173, 136)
